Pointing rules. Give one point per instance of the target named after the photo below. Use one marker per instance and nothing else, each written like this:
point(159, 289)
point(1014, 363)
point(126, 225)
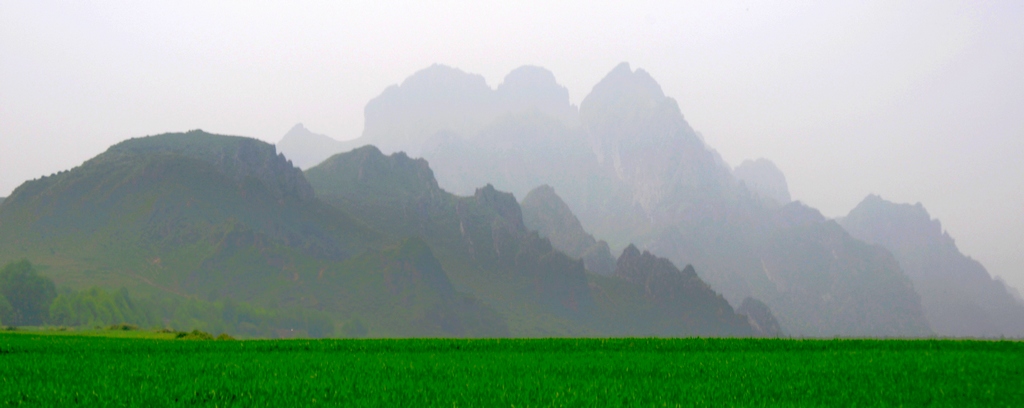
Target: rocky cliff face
point(639, 133)
point(679, 295)
point(760, 318)
point(959, 296)
point(546, 213)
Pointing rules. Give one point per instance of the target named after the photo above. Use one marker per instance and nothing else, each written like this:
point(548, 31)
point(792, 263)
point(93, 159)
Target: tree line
point(30, 299)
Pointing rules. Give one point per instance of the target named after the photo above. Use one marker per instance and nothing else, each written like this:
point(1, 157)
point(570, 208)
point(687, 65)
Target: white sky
point(915, 101)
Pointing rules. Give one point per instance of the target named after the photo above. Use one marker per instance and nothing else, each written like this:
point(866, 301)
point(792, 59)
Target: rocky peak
point(959, 296)
point(545, 212)
point(763, 178)
point(445, 100)
point(438, 98)
point(531, 88)
point(502, 203)
point(366, 174)
point(640, 135)
point(642, 268)
point(877, 220)
point(624, 106)
point(236, 157)
point(305, 148)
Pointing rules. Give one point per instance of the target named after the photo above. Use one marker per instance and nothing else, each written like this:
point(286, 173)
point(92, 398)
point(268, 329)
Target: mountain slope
point(959, 296)
point(484, 244)
point(634, 171)
point(680, 297)
point(480, 240)
point(305, 149)
point(192, 214)
point(546, 213)
point(764, 179)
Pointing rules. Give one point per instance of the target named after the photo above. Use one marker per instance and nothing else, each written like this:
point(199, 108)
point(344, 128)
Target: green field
point(38, 369)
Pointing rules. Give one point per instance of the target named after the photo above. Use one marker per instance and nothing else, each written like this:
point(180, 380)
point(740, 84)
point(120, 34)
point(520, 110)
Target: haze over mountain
point(634, 171)
point(441, 99)
point(487, 250)
point(370, 241)
point(928, 96)
point(760, 317)
point(959, 296)
point(764, 179)
point(546, 213)
point(306, 149)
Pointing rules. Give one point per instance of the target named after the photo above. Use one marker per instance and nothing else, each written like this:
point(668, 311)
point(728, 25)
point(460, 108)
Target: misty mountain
point(635, 171)
point(361, 238)
point(760, 317)
point(959, 296)
point(674, 292)
point(2, 200)
point(484, 244)
point(764, 179)
point(546, 213)
point(306, 149)
point(445, 100)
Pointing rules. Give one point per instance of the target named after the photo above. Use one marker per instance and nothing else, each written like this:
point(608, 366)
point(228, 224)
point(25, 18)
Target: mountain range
point(631, 170)
point(415, 229)
point(362, 237)
point(959, 296)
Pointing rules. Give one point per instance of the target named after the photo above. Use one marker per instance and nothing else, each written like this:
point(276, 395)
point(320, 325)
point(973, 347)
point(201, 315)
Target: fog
point(916, 102)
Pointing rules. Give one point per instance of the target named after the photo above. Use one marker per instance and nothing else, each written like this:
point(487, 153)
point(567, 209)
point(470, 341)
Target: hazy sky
point(915, 101)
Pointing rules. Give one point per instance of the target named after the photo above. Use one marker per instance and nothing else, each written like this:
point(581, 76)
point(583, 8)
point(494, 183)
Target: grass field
point(39, 369)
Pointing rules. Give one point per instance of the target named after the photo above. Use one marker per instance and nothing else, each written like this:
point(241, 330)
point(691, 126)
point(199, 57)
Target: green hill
point(177, 212)
point(200, 215)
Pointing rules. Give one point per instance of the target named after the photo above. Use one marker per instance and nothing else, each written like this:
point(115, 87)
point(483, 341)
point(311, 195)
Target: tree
point(28, 294)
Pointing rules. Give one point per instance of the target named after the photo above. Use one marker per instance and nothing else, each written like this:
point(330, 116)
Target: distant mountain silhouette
point(674, 292)
point(485, 246)
point(546, 213)
point(760, 317)
point(764, 179)
point(306, 149)
point(445, 100)
point(634, 171)
point(959, 296)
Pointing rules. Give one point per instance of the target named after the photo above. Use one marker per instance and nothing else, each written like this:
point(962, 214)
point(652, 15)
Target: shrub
point(194, 335)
